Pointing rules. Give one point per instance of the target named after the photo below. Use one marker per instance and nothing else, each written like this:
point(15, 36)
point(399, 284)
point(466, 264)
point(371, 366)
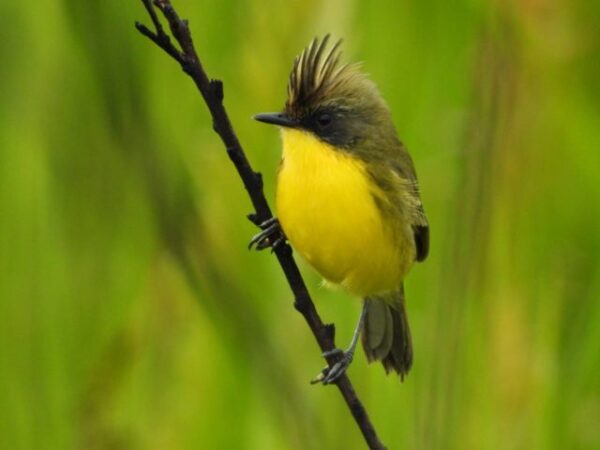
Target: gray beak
point(276, 119)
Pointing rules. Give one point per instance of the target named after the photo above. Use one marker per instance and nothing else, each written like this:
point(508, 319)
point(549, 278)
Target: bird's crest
point(316, 73)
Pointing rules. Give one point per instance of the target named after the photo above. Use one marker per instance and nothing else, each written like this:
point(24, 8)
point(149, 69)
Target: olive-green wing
point(399, 182)
point(404, 167)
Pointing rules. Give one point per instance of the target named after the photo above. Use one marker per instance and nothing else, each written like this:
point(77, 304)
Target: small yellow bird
point(348, 199)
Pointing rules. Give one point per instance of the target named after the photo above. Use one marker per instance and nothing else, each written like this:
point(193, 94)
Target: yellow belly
point(326, 208)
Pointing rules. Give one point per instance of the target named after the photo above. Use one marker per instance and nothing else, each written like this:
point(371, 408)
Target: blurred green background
point(133, 317)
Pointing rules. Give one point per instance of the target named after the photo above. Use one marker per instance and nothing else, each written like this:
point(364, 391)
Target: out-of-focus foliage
point(133, 317)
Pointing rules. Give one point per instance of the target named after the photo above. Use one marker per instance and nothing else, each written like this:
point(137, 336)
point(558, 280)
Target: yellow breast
point(326, 208)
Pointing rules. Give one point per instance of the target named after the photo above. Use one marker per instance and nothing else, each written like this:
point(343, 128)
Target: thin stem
point(212, 93)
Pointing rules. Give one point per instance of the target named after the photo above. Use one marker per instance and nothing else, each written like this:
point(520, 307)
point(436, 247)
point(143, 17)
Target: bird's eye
point(324, 120)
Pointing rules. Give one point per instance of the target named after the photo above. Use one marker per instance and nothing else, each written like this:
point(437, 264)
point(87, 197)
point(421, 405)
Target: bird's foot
point(330, 374)
point(270, 236)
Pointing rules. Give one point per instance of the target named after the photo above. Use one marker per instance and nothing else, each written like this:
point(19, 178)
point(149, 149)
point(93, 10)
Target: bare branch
point(212, 93)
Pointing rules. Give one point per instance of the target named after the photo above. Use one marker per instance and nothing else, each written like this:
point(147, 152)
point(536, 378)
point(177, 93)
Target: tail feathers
point(386, 333)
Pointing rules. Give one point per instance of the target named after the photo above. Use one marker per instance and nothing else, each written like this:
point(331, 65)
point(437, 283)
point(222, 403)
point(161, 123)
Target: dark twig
point(212, 93)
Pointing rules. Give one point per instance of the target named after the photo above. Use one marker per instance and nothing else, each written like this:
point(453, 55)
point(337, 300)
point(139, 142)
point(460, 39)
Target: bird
point(348, 199)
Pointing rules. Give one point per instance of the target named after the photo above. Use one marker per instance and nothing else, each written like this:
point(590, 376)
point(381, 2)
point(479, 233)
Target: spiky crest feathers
point(317, 77)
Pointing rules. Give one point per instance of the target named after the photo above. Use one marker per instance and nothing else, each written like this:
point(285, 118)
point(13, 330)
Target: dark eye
point(324, 120)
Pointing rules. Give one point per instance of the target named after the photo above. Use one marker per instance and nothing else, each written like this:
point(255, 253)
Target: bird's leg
point(331, 374)
point(270, 236)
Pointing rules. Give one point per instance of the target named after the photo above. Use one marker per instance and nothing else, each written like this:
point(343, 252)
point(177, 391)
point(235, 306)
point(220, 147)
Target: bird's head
point(336, 102)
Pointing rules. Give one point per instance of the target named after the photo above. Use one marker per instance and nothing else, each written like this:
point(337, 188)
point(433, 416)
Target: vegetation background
point(133, 317)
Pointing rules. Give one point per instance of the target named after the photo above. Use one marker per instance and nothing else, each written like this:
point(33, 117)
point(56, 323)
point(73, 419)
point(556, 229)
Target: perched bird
point(348, 200)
